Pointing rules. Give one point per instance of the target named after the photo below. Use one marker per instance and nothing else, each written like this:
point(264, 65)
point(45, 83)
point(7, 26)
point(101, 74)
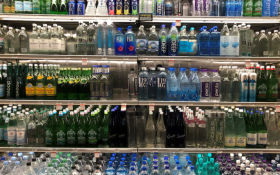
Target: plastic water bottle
point(144, 171)
point(163, 41)
point(132, 171)
point(166, 171)
point(102, 8)
point(215, 86)
point(141, 41)
point(183, 85)
point(155, 171)
point(234, 41)
point(109, 39)
point(6, 169)
point(129, 41)
point(173, 37)
point(194, 85)
point(16, 170)
point(183, 42)
point(143, 84)
point(225, 41)
point(214, 45)
point(192, 171)
point(100, 38)
point(153, 42)
point(35, 166)
point(192, 46)
point(172, 86)
point(175, 169)
point(119, 42)
point(204, 86)
point(29, 169)
point(179, 170)
point(204, 42)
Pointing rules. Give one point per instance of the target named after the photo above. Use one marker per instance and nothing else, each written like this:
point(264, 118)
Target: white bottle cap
point(258, 169)
point(248, 169)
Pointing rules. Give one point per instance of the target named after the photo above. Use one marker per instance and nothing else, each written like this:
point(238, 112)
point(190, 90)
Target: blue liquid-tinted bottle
point(119, 42)
point(204, 42)
point(194, 86)
point(214, 45)
point(172, 86)
point(129, 41)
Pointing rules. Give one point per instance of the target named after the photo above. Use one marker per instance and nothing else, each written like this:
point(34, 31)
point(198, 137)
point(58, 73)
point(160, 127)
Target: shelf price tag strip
point(151, 107)
point(145, 17)
point(82, 106)
point(70, 106)
point(171, 62)
point(277, 108)
point(123, 107)
point(58, 106)
point(84, 61)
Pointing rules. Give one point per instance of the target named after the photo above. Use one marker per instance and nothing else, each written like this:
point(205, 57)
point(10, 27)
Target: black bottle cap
point(73, 167)
point(96, 167)
point(28, 163)
point(44, 160)
point(33, 159)
point(47, 155)
point(80, 158)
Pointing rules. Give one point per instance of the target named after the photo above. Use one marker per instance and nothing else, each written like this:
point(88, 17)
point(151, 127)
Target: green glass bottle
point(10, 83)
point(51, 130)
point(92, 131)
point(71, 130)
point(40, 82)
point(262, 132)
point(54, 7)
point(40, 130)
point(105, 130)
point(61, 130)
point(251, 131)
point(261, 85)
point(63, 7)
point(248, 8)
point(51, 83)
point(31, 130)
point(257, 7)
point(82, 131)
point(61, 86)
point(11, 129)
point(272, 92)
point(72, 85)
point(2, 126)
point(84, 86)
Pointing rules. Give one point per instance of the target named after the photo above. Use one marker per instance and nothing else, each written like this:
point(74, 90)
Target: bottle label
point(183, 46)
point(48, 137)
point(130, 45)
point(262, 89)
point(1, 133)
point(23, 50)
point(21, 137)
point(205, 89)
point(163, 45)
point(152, 46)
point(44, 44)
point(126, 5)
point(40, 89)
point(34, 45)
point(111, 7)
point(161, 83)
point(105, 90)
point(50, 90)
point(119, 45)
point(27, 6)
point(251, 139)
point(262, 138)
point(60, 138)
point(2, 90)
point(159, 8)
point(230, 141)
point(18, 6)
point(266, 8)
point(71, 47)
point(9, 87)
point(258, 8)
point(119, 7)
point(36, 5)
point(1, 43)
point(72, 8)
point(224, 45)
point(55, 44)
point(80, 8)
point(30, 90)
point(6, 132)
point(12, 135)
point(11, 50)
point(168, 8)
point(81, 137)
point(241, 141)
point(134, 7)
point(92, 136)
point(71, 137)
point(234, 41)
point(153, 81)
point(143, 81)
point(215, 89)
point(173, 45)
point(265, 53)
point(18, 87)
point(141, 44)
point(135, 86)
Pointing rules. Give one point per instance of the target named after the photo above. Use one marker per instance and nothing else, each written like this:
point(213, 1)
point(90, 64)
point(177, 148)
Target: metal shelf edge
point(207, 150)
point(66, 102)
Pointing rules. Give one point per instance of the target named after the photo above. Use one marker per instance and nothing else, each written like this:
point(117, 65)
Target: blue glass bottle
point(194, 85)
point(172, 86)
point(143, 84)
point(119, 42)
point(129, 41)
point(214, 45)
point(183, 85)
point(204, 42)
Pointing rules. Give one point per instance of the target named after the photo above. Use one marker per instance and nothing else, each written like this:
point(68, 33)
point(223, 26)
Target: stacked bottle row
point(226, 84)
point(93, 127)
point(158, 8)
point(105, 39)
point(49, 82)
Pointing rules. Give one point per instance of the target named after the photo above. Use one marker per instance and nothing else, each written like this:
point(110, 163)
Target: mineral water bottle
point(6, 169)
point(102, 8)
point(152, 84)
point(192, 46)
point(225, 41)
point(119, 42)
point(183, 42)
point(144, 171)
point(243, 40)
point(196, 11)
point(11, 43)
point(194, 85)
point(244, 78)
point(204, 86)
point(91, 8)
point(275, 44)
point(168, 7)
point(141, 41)
point(153, 42)
point(143, 84)
point(204, 42)
point(249, 35)
point(150, 131)
point(173, 41)
point(109, 39)
point(263, 46)
point(214, 45)
point(215, 86)
point(172, 85)
point(166, 171)
point(234, 41)
point(252, 85)
point(161, 85)
point(132, 84)
point(163, 42)
point(100, 38)
point(229, 130)
point(184, 83)
point(132, 171)
point(226, 85)
point(129, 41)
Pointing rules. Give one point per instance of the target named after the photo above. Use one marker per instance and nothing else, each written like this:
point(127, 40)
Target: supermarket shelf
point(136, 102)
point(66, 102)
point(68, 57)
point(130, 18)
point(56, 149)
point(64, 18)
point(207, 150)
point(190, 103)
point(208, 58)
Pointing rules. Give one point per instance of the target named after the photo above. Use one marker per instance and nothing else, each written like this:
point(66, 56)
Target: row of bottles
point(133, 7)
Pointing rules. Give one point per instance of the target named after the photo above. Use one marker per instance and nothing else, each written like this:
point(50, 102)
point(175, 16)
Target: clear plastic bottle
point(102, 8)
point(263, 46)
point(132, 84)
point(204, 42)
point(153, 42)
point(183, 83)
point(234, 41)
point(172, 86)
point(91, 8)
point(204, 86)
point(109, 39)
point(161, 85)
point(6, 169)
point(129, 41)
point(194, 87)
point(225, 41)
point(152, 84)
point(193, 47)
point(119, 42)
point(150, 131)
point(141, 41)
point(275, 44)
point(99, 37)
point(163, 41)
point(183, 42)
point(173, 41)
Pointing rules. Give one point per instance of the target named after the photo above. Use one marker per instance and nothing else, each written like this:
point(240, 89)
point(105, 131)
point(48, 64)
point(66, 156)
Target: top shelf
point(129, 18)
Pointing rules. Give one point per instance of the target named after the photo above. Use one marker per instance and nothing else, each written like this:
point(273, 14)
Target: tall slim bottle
point(272, 88)
point(230, 141)
point(11, 130)
point(173, 41)
point(193, 45)
point(225, 41)
point(244, 79)
point(262, 86)
point(119, 42)
point(234, 41)
point(172, 86)
point(129, 41)
point(143, 84)
point(152, 84)
point(10, 82)
point(163, 42)
point(262, 131)
point(263, 44)
point(183, 42)
point(249, 41)
point(272, 136)
point(215, 86)
point(40, 83)
point(141, 41)
point(226, 86)
point(252, 86)
point(51, 83)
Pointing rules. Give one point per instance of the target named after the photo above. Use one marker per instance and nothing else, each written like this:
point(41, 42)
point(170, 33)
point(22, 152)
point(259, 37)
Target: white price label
point(82, 106)
point(248, 63)
point(123, 107)
point(53, 154)
point(96, 155)
point(277, 108)
point(151, 107)
point(178, 22)
point(84, 61)
point(58, 106)
point(171, 62)
point(70, 106)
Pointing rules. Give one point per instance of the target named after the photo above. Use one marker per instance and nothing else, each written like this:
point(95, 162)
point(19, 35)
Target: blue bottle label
point(163, 45)
point(152, 46)
point(274, 8)
point(141, 44)
point(143, 82)
point(80, 8)
point(161, 83)
point(183, 46)
point(110, 35)
point(99, 37)
point(27, 6)
point(134, 7)
point(72, 8)
point(130, 45)
point(119, 45)
point(266, 8)
point(244, 91)
point(111, 6)
point(18, 6)
point(159, 8)
point(168, 9)
point(215, 89)
point(205, 89)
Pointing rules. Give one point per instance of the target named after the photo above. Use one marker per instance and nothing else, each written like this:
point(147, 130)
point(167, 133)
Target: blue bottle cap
point(3, 158)
point(134, 155)
point(17, 162)
point(155, 162)
point(195, 69)
point(121, 163)
point(105, 66)
point(132, 168)
point(179, 167)
point(144, 168)
point(166, 162)
point(133, 159)
point(19, 154)
point(183, 69)
point(112, 158)
point(120, 29)
point(13, 158)
point(177, 162)
point(144, 162)
point(192, 167)
point(155, 157)
point(155, 167)
point(110, 162)
point(163, 26)
point(129, 28)
point(145, 158)
point(187, 157)
point(10, 154)
point(123, 159)
point(209, 154)
point(124, 155)
point(261, 112)
point(165, 158)
point(166, 167)
point(132, 163)
point(175, 157)
point(6, 162)
point(173, 70)
point(25, 157)
point(189, 162)
point(114, 154)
